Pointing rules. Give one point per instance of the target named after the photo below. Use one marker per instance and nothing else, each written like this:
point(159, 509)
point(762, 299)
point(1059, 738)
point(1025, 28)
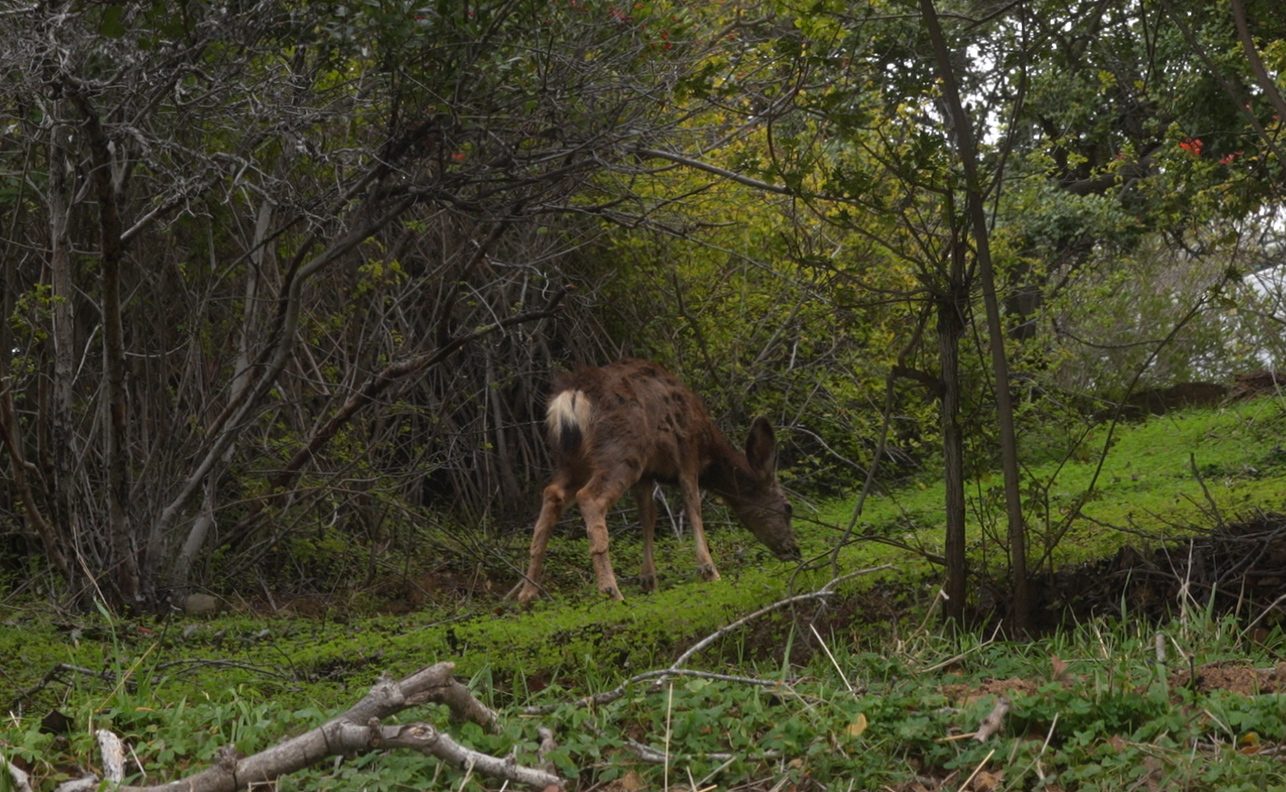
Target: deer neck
point(727, 474)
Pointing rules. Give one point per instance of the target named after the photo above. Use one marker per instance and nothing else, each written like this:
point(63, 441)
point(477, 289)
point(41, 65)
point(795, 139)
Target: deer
point(629, 425)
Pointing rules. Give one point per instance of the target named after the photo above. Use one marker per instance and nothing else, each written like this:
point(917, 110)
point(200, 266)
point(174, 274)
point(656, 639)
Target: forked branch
point(359, 730)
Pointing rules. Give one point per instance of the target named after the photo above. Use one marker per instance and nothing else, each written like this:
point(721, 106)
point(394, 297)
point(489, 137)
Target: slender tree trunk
point(36, 529)
point(1257, 68)
point(509, 488)
point(41, 530)
point(61, 437)
point(950, 328)
point(199, 533)
point(128, 573)
point(961, 130)
point(1262, 77)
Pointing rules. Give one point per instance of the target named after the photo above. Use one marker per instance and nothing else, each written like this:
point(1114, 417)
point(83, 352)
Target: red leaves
point(1194, 146)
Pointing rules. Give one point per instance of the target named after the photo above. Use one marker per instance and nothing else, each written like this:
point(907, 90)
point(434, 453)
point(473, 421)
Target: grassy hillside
point(889, 702)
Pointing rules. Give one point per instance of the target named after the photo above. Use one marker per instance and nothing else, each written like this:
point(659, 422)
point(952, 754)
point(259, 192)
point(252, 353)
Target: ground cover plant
point(862, 693)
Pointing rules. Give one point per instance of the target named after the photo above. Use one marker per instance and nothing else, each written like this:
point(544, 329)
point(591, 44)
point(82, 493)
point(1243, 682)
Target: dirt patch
point(1182, 395)
point(1254, 384)
point(964, 694)
point(1241, 568)
point(1233, 677)
point(1159, 401)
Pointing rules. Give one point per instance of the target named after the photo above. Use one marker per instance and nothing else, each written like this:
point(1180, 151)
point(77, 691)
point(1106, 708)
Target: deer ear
point(761, 447)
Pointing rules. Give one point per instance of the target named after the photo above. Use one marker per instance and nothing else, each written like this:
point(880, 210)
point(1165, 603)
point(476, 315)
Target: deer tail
point(568, 419)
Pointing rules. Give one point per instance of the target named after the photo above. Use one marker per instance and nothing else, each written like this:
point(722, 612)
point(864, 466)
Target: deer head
point(757, 498)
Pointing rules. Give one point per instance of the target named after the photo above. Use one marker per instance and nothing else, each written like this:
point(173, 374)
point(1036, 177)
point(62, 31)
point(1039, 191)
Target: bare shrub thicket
point(270, 267)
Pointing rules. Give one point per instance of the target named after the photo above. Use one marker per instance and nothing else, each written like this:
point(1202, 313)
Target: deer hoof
point(708, 572)
point(527, 595)
point(648, 582)
point(613, 592)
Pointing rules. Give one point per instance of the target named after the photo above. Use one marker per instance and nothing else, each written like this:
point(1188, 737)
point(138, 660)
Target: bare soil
point(1241, 567)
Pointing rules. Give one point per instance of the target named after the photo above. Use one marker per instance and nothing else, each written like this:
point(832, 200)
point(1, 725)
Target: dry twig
point(608, 696)
point(821, 593)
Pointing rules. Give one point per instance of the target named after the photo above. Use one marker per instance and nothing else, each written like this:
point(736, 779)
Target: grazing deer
point(629, 424)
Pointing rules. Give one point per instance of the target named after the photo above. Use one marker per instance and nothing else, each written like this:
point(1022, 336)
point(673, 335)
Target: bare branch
point(825, 591)
point(358, 730)
point(994, 721)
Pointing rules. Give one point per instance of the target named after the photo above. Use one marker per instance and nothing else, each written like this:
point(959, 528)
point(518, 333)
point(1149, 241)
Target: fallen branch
point(20, 780)
point(358, 730)
point(608, 696)
point(113, 751)
point(993, 722)
point(187, 664)
point(646, 753)
point(55, 674)
point(821, 593)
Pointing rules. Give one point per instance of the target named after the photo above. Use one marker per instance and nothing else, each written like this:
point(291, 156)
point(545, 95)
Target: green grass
point(1145, 492)
point(1120, 722)
point(1091, 709)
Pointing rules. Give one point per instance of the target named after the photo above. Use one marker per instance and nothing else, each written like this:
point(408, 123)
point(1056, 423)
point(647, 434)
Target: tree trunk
point(950, 330)
point(1262, 77)
point(962, 132)
point(127, 572)
point(509, 487)
point(66, 512)
point(199, 533)
point(39, 527)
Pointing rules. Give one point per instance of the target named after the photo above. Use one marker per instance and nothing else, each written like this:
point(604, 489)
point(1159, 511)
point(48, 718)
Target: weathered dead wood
point(359, 730)
point(341, 737)
point(993, 722)
point(113, 751)
point(19, 779)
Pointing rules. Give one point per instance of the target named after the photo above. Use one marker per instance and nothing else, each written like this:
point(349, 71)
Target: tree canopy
point(281, 277)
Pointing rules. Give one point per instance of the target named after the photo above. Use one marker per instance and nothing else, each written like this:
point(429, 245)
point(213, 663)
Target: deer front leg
point(553, 502)
point(692, 505)
point(594, 499)
point(647, 520)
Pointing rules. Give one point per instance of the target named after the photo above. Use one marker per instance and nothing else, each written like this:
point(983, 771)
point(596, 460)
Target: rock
point(200, 605)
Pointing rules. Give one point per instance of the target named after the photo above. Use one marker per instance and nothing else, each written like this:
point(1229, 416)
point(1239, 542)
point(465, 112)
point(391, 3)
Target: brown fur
point(629, 424)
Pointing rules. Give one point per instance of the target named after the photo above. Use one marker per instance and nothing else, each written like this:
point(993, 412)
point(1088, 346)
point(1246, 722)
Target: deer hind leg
point(692, 505)
point(594, 499)
point(647, 520)
point(553, 502)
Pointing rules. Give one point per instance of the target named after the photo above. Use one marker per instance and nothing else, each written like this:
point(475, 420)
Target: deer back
point(631, 414)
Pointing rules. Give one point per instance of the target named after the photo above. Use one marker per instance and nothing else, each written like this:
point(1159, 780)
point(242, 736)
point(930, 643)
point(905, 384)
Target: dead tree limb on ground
point(360, 729)
point(994, 720)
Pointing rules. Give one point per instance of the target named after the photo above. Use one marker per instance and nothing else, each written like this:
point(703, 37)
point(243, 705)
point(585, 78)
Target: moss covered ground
point(179, 688)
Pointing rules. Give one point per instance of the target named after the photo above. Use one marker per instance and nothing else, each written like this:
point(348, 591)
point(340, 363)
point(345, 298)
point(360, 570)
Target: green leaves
point(112, 21)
